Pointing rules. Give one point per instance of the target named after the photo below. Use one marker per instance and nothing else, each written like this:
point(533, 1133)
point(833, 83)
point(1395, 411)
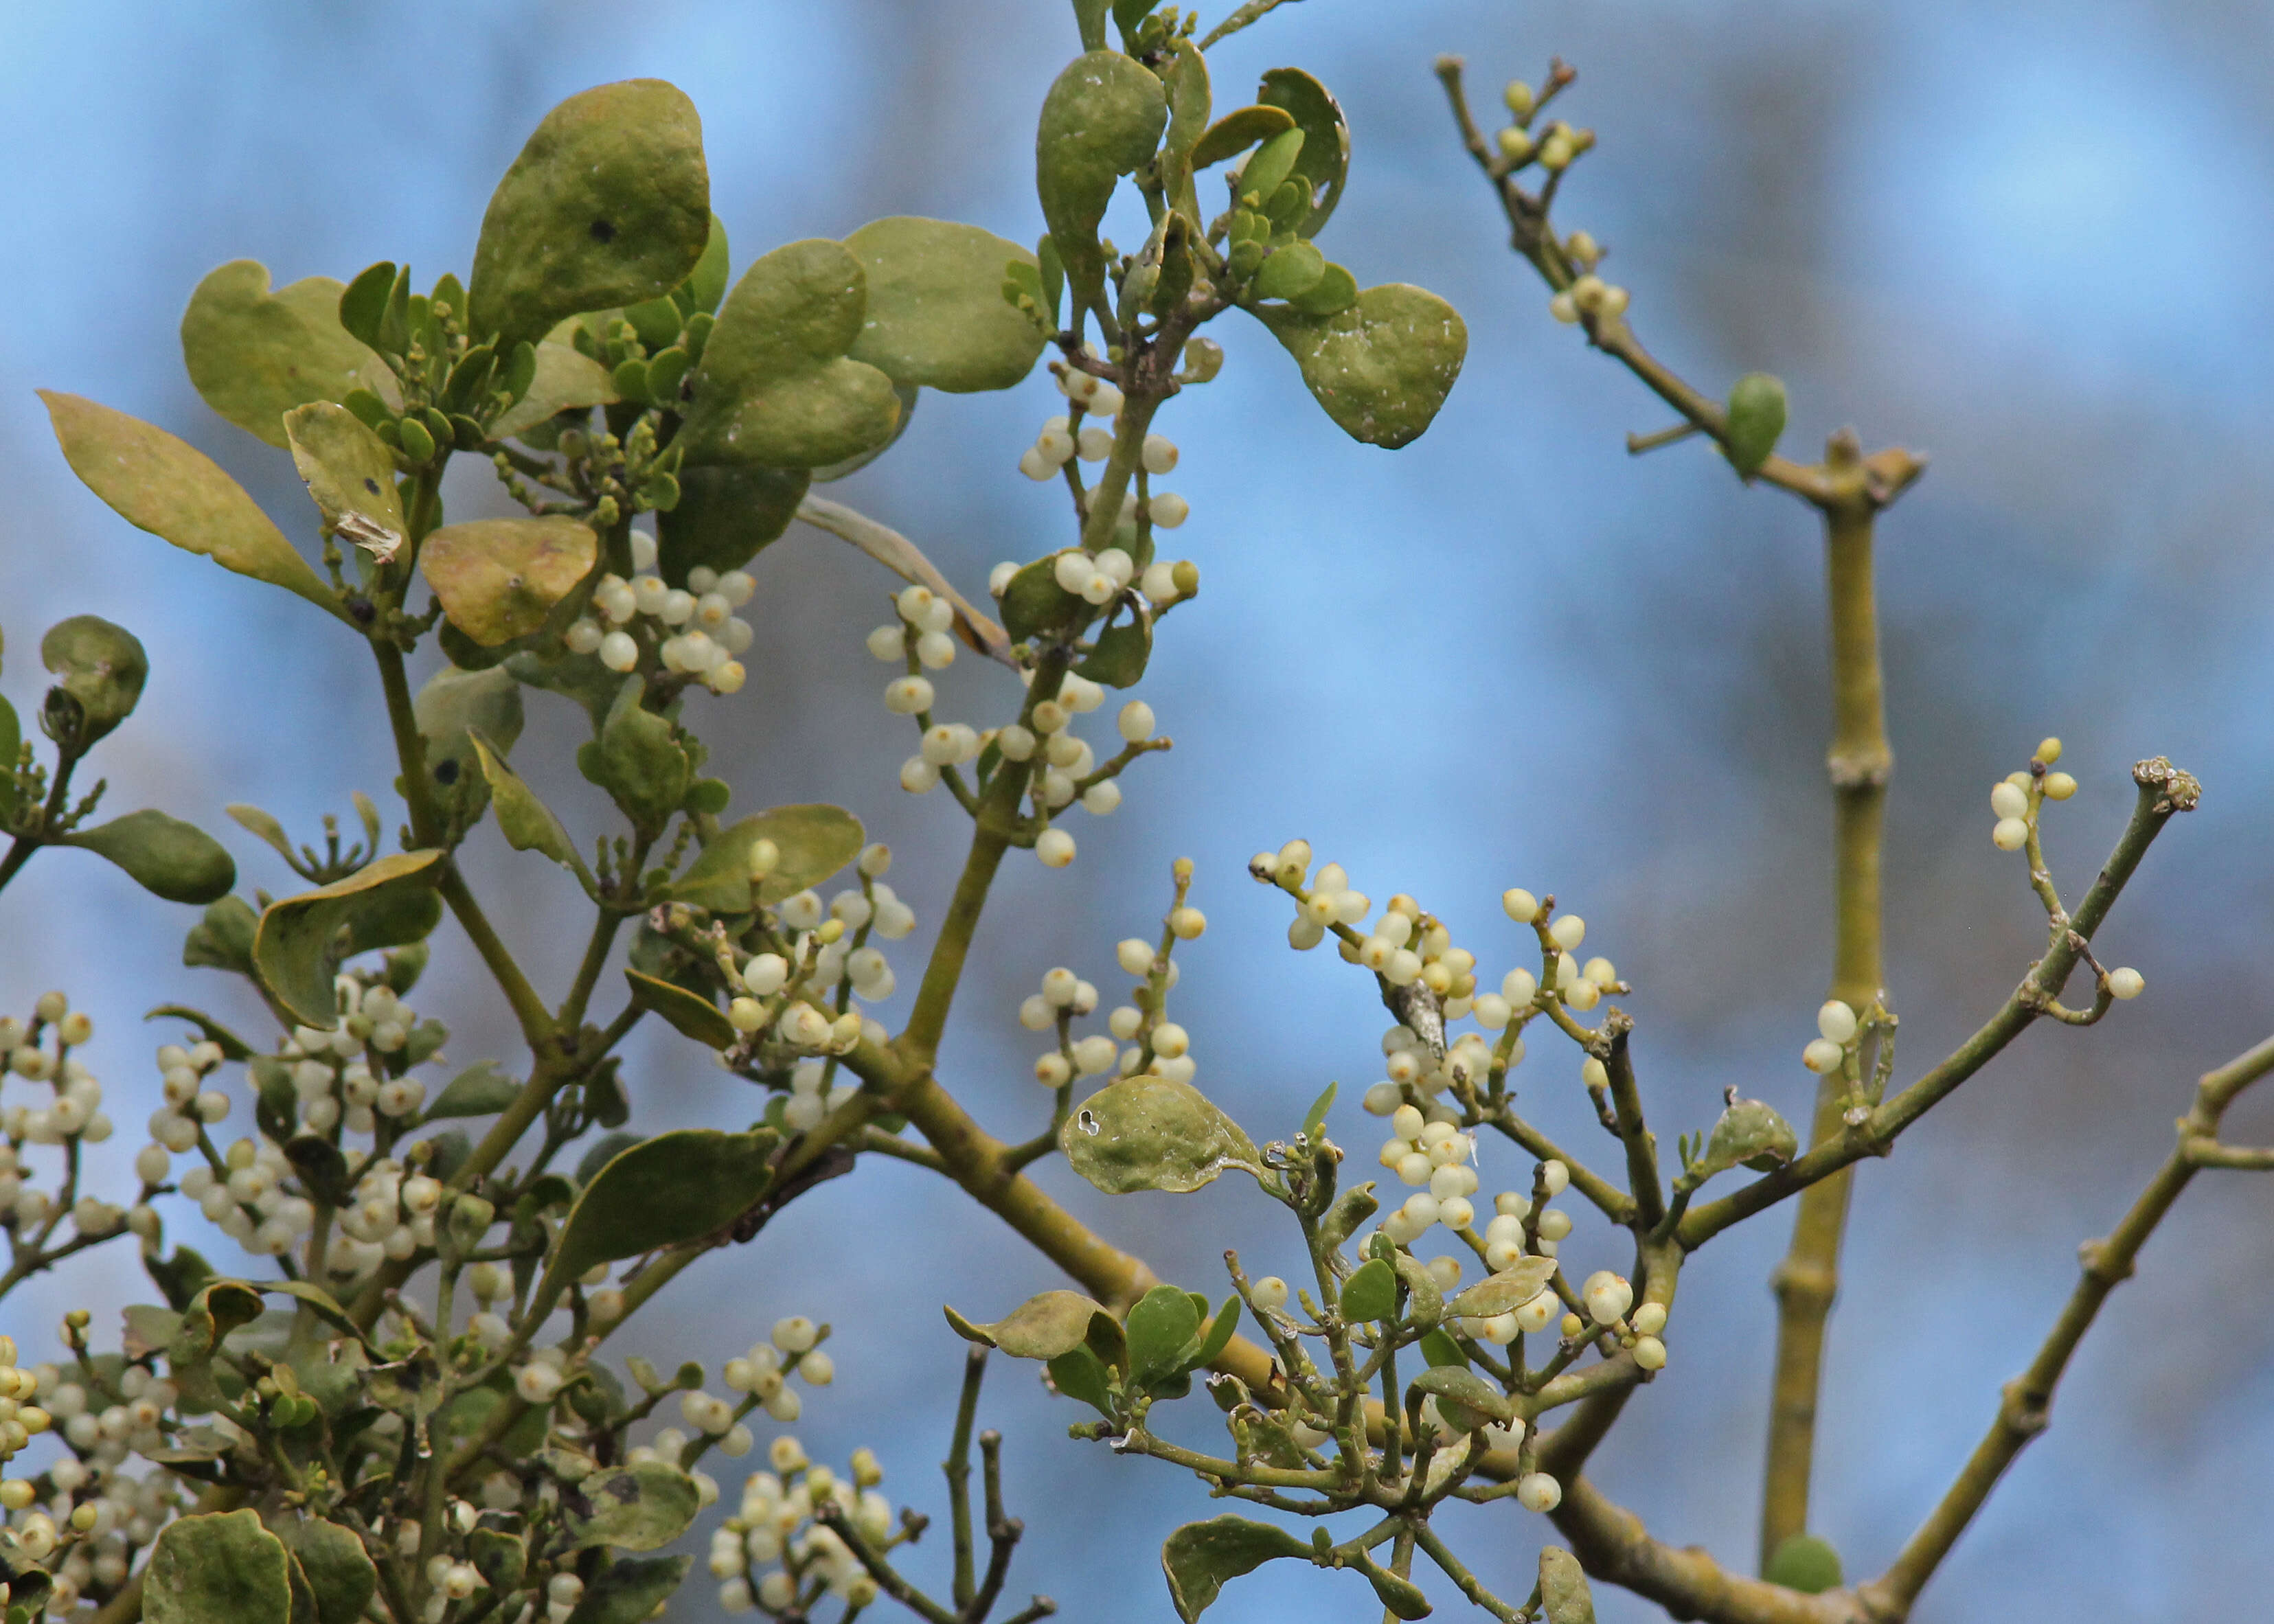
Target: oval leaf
point(1504, 1292)
point(1163, 1332)
point(223, 1568)
point(936, 314)
point(1564, 1591)
point(812, 842)
point(1457, 1387)
point(1749, 1132)
point(162, 485)
point(662, 1192)
point(1371, 1292)
point(1040, 1327)
point(1148, 1133)
point(1102, 119)
point(1238, 130)
point(297, 949)
point(350, 474)
point(725, 516)
point(480, 1090)
point(641, 1507)
point(777, 387)
point(1381, 368)
point(608, 204)
point(165, 856)
point(497, 579)
point(101, 666)
point(341, 1575)
point(637, 758)
point(1199, 1557)
point(254, 355)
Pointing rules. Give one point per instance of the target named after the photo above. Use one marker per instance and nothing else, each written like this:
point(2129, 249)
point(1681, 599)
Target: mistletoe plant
point(398, 1404)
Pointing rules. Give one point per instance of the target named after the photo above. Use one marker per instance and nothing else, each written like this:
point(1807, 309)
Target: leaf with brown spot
point(497, 579)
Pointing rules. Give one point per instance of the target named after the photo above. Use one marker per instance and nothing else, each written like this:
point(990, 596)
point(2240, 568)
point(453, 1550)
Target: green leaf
point(1220, 1331)
point(1034, 605)
point(776, 387)
point(180, 1277)
point(811, 842)
point(608, 204)
point(340, 1574)
point(909, 396)
point(1370, 1293)
point(1089, 18)
point(501, 1559)
point(936, 315)
point(1121, 651)
point(232, 1047)
point(298, 947)
point(1467, 1400)
point(1040, 1327)
point(102, 667)
point(1238, 130)
point(162, 485)
point(1190, 103)
point(1804, 1562)
point(149, 1329)
point(1199, 1557)
point(11, 745)
point(350, 474)
point(254, 355)
point(498, 579)
point(480, 1090)
point(1335, 292)
point(1272, 164)
point(638, 759)
point(689, 1014)
point(1756, 421)
point(1148, 1133)
point(1381, 368)
point(663, 1192)
point(1324, 164)
point(1506, 1291)
point(627, 1593)
point(1314, 1120)
point(1080, 1375)
point(1351, 1210)
point(1163, 1331)
point(363, 303)
point(726, 516)
point(165, 856)
point(222, 1569)
point(1563, 1589)
point(577, 677)
point(526, 821)
point(1749, 1132)
point(563, 381)
point(1102, 119)
point(1290, 272)
point(450, 709)
point(641, 1507)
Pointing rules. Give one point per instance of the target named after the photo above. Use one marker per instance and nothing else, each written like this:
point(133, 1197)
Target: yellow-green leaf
point(566, 377)
point(640, 1507)
point(689, 1014)
point(297, 948)
point(936, 314)
point(1040, 1327)
point(1381, 367)
point(350, 474)
point(1199, 1557)
point(811, 842)
point(608, 204)
point(166, 486)
point(776, 387)
point(497, 579)
point(1506, 1291)
point(1102, 119)
point(1325, 161)
point(222, 1569)
point(254, 355)
point(1563, 1592)
point(526, 821)
point(1147, 1133)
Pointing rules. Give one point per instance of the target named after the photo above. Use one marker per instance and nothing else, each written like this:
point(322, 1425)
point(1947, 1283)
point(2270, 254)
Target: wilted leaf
point(1148, 1133)
point(165, 856)
point(1199, 1557)
point(254, 355)
point(1381, 367)
point(497, 579)
point(676, 1187)
point(1506, 1291)
point(936, 314)
point(162, 485)
point(776, 387)
point(641, 1507)
point(296, 950)
point(222, 1569)
point(1102, 119)
point(811, 842)
point(608, 204)
point(350, 474)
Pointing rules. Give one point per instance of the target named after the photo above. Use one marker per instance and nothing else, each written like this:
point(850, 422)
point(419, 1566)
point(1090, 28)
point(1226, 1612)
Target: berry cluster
point(691, 630)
